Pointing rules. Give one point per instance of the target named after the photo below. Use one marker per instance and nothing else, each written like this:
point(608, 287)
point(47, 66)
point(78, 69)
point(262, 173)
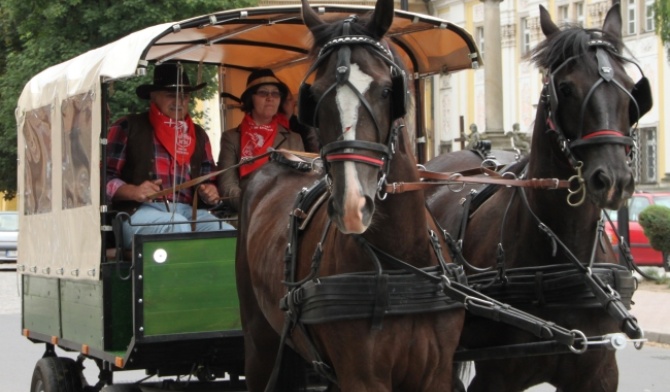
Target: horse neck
point(400, 226)
point(575, 226)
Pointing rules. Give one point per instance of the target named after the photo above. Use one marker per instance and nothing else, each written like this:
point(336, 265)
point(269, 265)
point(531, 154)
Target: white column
point(493, 68)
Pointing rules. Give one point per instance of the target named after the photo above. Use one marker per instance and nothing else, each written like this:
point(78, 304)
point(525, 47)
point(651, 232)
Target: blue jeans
point(155, 212)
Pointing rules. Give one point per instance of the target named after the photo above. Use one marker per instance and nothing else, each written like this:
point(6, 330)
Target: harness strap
point(479, 304)
point(608, 298)
point(451, 179)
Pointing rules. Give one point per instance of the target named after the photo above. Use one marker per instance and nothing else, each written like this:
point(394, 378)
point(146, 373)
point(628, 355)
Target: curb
point(657, 337)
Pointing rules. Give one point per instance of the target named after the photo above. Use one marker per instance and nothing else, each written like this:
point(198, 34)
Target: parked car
point(9, 234)
point(643, 253)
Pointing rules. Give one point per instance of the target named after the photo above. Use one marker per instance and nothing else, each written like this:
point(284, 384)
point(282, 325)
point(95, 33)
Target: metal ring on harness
point(573, 348)
point(581, 187)
point(489, 163)
point(452, 185)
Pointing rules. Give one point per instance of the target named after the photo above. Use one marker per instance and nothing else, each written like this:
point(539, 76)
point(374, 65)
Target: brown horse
point(356, 102)
point(531, 239)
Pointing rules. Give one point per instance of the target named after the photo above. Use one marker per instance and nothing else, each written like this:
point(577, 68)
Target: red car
point(643, 253)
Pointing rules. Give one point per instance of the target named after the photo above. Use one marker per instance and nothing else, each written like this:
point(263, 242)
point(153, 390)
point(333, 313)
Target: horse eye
point(386, 93)
point(565, 89)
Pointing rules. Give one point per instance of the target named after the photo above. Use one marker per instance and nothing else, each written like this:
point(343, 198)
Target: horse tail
point(292, 373)
point(461, 375)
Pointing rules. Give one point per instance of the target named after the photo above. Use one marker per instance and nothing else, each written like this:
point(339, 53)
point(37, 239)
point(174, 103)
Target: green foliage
point(655, 221)
point(662, 19)
point(37, 34)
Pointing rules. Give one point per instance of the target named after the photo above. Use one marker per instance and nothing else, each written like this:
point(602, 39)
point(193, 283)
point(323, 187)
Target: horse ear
point(310, 17)
point(612, 25)
point(381, 19)
point(548, 26)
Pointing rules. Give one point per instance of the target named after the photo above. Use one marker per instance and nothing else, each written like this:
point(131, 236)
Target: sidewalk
point(652, 309)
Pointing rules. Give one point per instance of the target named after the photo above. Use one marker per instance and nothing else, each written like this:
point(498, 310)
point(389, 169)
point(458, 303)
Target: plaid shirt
point(165, 169)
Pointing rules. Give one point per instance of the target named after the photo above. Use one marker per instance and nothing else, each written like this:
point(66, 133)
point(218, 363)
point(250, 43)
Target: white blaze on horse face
point(348, 104)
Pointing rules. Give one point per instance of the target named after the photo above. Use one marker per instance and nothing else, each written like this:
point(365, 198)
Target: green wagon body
point(123, 317)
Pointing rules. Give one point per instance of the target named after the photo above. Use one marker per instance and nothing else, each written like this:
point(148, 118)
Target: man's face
point(171, 104)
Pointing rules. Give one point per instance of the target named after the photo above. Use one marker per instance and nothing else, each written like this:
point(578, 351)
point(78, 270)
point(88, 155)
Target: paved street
point(640, 371)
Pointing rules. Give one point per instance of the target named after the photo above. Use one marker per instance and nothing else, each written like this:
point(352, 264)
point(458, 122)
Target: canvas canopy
point(60, 111)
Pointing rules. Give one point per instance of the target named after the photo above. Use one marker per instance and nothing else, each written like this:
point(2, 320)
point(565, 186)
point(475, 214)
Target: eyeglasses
point(264, 94)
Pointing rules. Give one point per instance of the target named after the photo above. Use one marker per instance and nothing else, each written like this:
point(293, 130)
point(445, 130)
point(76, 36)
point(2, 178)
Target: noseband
point(601, 136)
point(344, 150)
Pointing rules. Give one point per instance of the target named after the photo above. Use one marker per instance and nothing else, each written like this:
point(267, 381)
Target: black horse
point(544, 249)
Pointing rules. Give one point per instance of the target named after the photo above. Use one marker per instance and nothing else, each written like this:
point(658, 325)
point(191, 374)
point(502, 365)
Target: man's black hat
point(168, 77)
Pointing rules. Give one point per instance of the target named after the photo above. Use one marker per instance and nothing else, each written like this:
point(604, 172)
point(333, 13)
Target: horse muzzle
point(610, 187)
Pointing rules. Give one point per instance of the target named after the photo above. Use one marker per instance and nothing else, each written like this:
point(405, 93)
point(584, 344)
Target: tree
point(40, 33)
point(655, 221)
point(662, 16)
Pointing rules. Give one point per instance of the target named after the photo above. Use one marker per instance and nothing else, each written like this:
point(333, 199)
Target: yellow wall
point(8, 205)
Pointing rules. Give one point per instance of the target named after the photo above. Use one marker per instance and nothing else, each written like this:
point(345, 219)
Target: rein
point(467, 177)
point(244, 161)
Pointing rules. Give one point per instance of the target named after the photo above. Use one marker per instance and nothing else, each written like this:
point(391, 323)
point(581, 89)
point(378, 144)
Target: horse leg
point(261, 342)
point(595, 371)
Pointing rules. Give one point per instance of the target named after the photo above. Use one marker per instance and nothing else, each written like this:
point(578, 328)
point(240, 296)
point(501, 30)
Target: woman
point(261, 128)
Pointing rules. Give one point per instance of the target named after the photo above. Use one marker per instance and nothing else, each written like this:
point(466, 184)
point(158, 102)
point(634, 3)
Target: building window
point(525, 36)
point(579, 13)
point(631, 15)
point(649, 15)
point(645, 162)
point(479, 36)
point(563, 14)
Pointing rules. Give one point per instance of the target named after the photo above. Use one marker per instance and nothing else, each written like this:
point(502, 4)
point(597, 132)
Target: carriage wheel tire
point(56, 374)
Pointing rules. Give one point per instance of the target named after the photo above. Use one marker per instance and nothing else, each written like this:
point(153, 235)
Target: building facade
point(459, 101)
point(460, 98)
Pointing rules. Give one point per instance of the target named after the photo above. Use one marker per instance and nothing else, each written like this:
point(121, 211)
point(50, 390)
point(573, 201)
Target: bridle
point(641, 92)
point(309, 105)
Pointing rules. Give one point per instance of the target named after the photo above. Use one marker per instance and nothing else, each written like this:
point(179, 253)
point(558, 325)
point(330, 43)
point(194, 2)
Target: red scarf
point(255, 139)
point(165, 129)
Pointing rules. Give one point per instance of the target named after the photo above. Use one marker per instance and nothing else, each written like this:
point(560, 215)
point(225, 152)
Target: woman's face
point(266, 101)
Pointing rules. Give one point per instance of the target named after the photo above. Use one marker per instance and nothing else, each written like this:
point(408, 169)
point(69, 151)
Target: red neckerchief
point(165, 128)
point(282, 119)
point(255, 140)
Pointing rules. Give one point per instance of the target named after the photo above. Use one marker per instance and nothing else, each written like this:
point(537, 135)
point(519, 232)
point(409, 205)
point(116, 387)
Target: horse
point(357, 102)
point(509, 236)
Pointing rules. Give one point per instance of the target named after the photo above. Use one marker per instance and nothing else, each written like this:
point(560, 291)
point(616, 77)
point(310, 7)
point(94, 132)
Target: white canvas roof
point(60, 202)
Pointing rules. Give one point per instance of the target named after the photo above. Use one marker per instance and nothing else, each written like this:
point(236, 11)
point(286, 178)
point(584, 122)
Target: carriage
point(170, 304)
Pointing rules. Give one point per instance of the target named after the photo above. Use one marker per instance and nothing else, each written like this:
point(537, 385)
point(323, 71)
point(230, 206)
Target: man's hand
point(209, 193)
point(142, 191)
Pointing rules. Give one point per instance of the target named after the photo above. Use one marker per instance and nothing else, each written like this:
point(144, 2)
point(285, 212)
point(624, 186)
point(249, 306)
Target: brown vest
point(140, 154)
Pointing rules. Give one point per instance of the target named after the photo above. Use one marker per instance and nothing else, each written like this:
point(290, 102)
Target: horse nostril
point(601, 180)
point(368, 209)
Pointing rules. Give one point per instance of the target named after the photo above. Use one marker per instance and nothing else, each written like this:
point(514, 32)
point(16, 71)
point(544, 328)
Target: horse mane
point(327, 31)
point(569, 42)
point(323, 33)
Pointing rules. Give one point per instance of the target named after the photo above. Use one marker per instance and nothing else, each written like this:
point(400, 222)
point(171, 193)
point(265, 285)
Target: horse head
point(357, 94)
point(590, 105)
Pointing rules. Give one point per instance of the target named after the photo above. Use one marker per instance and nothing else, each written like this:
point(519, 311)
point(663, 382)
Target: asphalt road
point(640, 371)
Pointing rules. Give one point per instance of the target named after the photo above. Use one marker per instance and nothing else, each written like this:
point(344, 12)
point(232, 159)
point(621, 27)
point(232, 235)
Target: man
point(161, 148)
